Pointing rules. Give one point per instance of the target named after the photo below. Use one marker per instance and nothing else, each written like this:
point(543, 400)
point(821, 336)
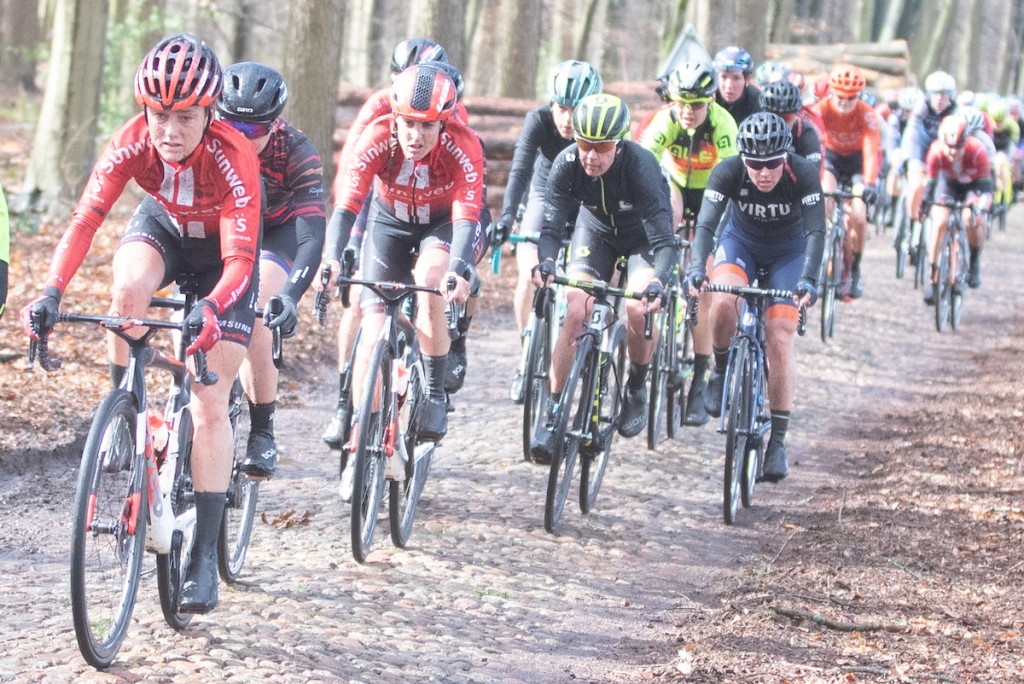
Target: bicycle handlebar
point(748, 292)
point(515, 239)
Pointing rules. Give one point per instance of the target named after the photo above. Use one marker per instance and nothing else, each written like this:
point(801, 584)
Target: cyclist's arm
point(338, 231)
point(812, 205)
point(655, 205)
point(467, 198)
point(304, 179)
point(560, 202)
point(725, 131)
point(872, 146)
point(523, 160)
point(716, 198)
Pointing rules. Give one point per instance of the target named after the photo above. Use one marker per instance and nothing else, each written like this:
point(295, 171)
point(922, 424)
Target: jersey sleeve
point(527, 147)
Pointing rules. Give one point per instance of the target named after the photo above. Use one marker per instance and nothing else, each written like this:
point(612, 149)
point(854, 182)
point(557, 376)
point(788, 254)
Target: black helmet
point(253, 92)
point(452, 72)
point(692, 80)
point(412, 51)
point(781, 97)
point(763, 134)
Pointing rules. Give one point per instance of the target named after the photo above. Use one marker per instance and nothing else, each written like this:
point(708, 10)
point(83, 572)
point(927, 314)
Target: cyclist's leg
point(526, 257)
point(640, 350)
point(939, 219)
point(701, 334)
point(457, 357)
point(730, 261)
point(976, 231)
point(258, 373)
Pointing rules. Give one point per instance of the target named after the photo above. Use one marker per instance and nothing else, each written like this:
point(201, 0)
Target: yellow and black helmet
point(600, 117)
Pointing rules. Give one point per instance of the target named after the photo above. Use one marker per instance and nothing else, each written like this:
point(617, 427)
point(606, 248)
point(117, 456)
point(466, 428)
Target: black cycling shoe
point(634, 412)
point(856, 286)
point(974, 279)
point(696, 414)
point(929, 294)
point(260, 456)
point(456, 367)
point(337, 431)
point(713, 393)
point(542, 446)
point(432, 419)
point(776, 467)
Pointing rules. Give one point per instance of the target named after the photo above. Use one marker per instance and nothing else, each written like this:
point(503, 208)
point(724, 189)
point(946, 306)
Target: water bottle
point(161, 517)
point(401, 376)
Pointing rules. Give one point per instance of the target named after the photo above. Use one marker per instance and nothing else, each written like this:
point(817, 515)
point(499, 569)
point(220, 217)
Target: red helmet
point(846, 80)
point(423, 93)
point(953, 131)
point(180, 72)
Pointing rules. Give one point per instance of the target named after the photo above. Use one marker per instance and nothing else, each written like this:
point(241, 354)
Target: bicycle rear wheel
point(683, 363)
point(737, 425)
point(573, 421)
point(594, 460)
point(960, 261)
point(108, 530)
point(902, 240)
point(240, 512)
point(753, 453)
point(535, 378)
point(921, 251)
point(830, 283)
point(371, 442)
point(404, 496)
point(171, 567)
point(661, 370)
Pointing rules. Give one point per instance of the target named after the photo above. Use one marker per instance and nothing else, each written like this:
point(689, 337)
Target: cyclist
point(958, 169)
point(426, 170)
point(252, 100)
point(201, 215)
point(921, 130)
point(546, 132)
point(853, 153)
point(907, 99)
point(689, 136)
point(5, 250)
point(406, 53)
point(1005, 136)
point(739, 97)
point(624, 210)
point(783, 98)
point(777, 222)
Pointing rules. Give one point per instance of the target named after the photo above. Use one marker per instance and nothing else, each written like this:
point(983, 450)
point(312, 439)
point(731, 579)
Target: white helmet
point(940, 82)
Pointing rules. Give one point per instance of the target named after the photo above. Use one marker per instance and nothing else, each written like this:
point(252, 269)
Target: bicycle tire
point(661, 365)
point(404, 496)
point(676, 407)
point(368, 458)
point(535, 377)
point(960, 281)
point(943, 287)
point(108, 530)
point(171, 567)
point(737, 424)
point(921, 263)
point(573, 418)
point(829, 286)
point(902, 239)
point(753, 454)
point(609, 409)
point(240, 511)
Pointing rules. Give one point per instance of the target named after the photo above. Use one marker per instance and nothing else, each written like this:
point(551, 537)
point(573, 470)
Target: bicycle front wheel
point(832, 271)
point(108, 530)
point(612, 383)
point(661, 367)
point(573, 422)
point(375, 416)
point(737, 424)
point(902, 240)
point(171, 567)
point(240, 512)
point(962, 266)
point(944, 287)
point(535, 378)
point(404, 496)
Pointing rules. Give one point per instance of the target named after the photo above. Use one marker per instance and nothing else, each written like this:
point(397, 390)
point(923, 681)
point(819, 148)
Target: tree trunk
point(445, 22)
point(518, 48)
point(22, 38)
point(63, 151)
point(891, 21)
point(357, 50)
point(313, 71)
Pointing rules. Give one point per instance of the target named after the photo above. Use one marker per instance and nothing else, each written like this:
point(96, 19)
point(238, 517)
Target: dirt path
point(651, 585)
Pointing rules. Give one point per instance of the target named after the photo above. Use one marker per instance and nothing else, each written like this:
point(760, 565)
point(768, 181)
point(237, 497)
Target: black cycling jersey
point(807, 141)
point(539, 135)
point(795, 204)
point(632, 195)
point(748, 103)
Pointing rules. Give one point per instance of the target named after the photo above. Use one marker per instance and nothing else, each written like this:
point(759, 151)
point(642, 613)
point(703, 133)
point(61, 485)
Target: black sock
point(780, 423)
point(637, 376)
point(464, 327)
point(458, 344)
point(434, 369)
point(342, 379)
point(855, 265)
point(117, 374)
point(261, 417)
point(721, 359)
point(700, 366)
point(975, 255)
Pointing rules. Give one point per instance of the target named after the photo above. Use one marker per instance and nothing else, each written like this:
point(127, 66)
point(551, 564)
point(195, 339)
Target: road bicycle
point(591, 402)
point(134, 490)
point(952, 264)
point(385, 446)
point(745, 415)
point(835, 267)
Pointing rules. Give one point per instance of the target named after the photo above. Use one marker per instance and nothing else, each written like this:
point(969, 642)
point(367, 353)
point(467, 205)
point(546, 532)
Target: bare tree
point(313, 70)
point(64, 148)
point(22, 39)
point(445, 22)
point(518, 48)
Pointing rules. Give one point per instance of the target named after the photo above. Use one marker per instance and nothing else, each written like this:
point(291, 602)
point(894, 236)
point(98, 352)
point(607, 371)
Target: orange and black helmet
point(846, 80)
point(423, 93)
point(180, 72)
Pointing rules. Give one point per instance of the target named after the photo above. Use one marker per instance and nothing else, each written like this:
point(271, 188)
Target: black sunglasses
point(761, 164)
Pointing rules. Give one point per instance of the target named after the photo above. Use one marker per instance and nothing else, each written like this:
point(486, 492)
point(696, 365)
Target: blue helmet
point(734, 58)
point(572, 81)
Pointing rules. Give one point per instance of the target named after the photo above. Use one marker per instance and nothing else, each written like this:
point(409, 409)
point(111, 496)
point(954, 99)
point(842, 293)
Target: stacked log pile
point(885, 65)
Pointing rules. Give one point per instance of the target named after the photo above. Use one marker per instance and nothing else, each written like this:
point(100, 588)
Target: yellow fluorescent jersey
point(689, 156)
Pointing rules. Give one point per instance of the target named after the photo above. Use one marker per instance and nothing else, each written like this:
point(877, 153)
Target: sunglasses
point(601, 146)
point(762, 164)
point(251, 130)
point(847, 99)
point(693, 102)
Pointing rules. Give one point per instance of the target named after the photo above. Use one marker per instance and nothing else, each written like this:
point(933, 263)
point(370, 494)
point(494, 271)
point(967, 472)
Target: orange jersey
point(858, 131)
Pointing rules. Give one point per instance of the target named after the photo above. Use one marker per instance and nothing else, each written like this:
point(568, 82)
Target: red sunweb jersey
point(973, 166)
point(449, 179)
point(378, 104)
point(214, 194)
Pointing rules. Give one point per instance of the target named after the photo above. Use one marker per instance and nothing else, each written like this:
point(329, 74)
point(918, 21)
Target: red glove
point(203, 326)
